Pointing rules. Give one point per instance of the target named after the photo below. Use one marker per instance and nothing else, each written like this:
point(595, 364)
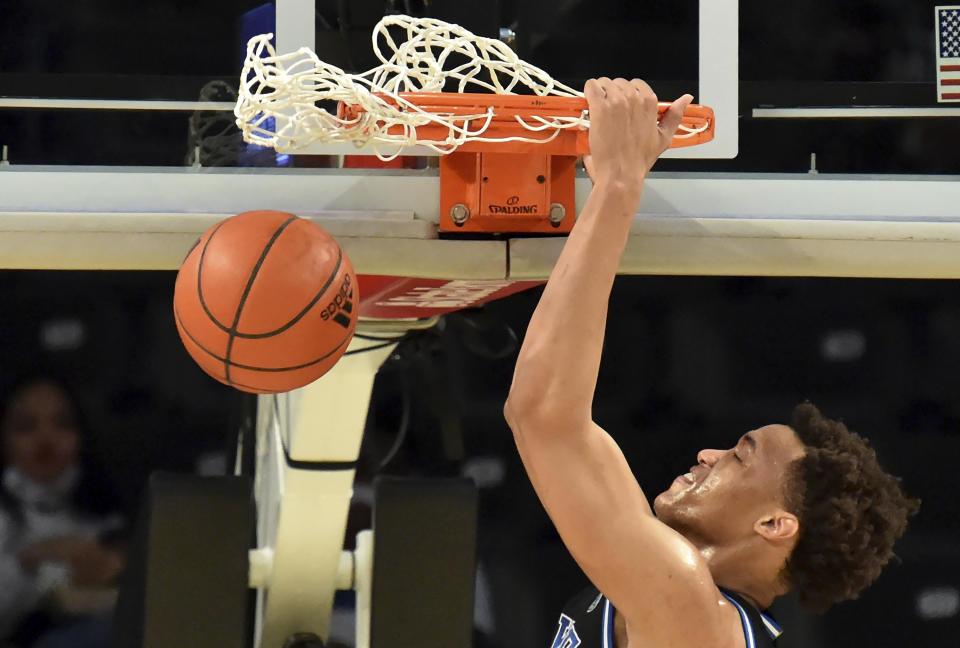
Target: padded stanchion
point(424, 559)
point(187, 577)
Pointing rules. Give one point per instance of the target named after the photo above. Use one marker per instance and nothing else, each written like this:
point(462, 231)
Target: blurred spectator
point(60, 548)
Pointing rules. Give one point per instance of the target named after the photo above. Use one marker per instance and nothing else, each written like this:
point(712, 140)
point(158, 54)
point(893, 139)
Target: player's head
point(851, 512)
point(736, 496)
point(812, 493)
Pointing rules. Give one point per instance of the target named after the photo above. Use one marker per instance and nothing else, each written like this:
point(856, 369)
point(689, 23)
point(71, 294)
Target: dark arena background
point(690, 362)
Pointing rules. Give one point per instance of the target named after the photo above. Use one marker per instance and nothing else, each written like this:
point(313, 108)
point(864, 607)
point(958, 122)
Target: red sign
point(385, 297)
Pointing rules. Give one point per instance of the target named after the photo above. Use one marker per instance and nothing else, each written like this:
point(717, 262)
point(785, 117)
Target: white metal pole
point(295, 25)
point(363, 581)
point(719, 85)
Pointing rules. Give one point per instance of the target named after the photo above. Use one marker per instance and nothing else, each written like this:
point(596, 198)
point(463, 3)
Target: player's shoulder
point(680, 602)
point(735, 627)
point(757, 628)
point(730, 627)
point(703, 616)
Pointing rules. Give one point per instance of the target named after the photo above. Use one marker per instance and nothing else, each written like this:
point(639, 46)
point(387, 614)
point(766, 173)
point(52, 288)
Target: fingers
point(593, 91)
point(603, 92)
point(596, 90)
point(627, 133)
point(672, 117)
point(645, 91)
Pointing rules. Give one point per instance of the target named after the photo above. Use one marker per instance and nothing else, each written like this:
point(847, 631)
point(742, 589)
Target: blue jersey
point(587, 622)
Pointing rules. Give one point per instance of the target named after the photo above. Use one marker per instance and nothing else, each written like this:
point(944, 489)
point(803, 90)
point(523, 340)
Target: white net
point(281, 97)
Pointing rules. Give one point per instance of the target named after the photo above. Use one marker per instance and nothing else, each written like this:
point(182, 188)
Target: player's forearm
point(556, 371)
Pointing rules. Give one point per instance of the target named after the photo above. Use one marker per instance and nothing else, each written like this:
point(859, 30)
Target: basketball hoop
point(503, 106)
point(504, 123)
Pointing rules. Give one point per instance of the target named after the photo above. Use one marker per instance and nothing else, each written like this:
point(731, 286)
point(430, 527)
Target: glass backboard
point(855, 84)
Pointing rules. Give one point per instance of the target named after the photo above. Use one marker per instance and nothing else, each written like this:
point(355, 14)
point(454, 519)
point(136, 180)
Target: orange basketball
point(266, 301)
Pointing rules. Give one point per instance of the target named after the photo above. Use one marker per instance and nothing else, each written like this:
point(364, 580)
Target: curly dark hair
point(850, 511)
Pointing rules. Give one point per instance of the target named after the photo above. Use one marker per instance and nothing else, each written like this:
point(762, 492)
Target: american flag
point(948, 53)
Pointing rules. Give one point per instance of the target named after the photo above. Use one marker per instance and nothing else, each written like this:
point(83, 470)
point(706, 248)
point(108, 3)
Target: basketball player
point(803, 507)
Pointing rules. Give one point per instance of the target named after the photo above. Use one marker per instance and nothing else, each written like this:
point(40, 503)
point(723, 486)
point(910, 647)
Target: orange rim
point(507, 109)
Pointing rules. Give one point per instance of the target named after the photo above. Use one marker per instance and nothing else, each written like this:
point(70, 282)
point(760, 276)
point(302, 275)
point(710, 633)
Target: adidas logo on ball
point(341, 305)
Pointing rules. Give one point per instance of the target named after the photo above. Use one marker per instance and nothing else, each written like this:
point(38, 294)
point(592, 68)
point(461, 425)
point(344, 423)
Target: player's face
point(40, 433)
point(722, 497)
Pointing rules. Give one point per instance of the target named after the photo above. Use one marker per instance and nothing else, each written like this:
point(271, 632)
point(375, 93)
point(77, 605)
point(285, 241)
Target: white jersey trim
point(607, 624)
point(747, 627)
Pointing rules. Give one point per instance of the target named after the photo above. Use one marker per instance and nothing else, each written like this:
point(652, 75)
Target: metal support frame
point(113, 104)
point(308, 442)
point(854, 112)
point(719, 83)
point(296, 25)
point(688, 223)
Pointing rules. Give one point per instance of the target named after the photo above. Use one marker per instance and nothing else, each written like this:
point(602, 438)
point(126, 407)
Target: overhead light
point(65, 334)
point(843, 345)
point(486, 472)
point(938, 602)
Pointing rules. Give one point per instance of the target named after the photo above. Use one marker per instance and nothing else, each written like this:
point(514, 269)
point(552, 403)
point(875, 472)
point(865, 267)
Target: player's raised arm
point(557, 367)
point(648, 571)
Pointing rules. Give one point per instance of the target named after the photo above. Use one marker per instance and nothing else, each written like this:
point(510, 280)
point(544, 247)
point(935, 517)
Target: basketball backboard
point(855, 85)
point(801, 93)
